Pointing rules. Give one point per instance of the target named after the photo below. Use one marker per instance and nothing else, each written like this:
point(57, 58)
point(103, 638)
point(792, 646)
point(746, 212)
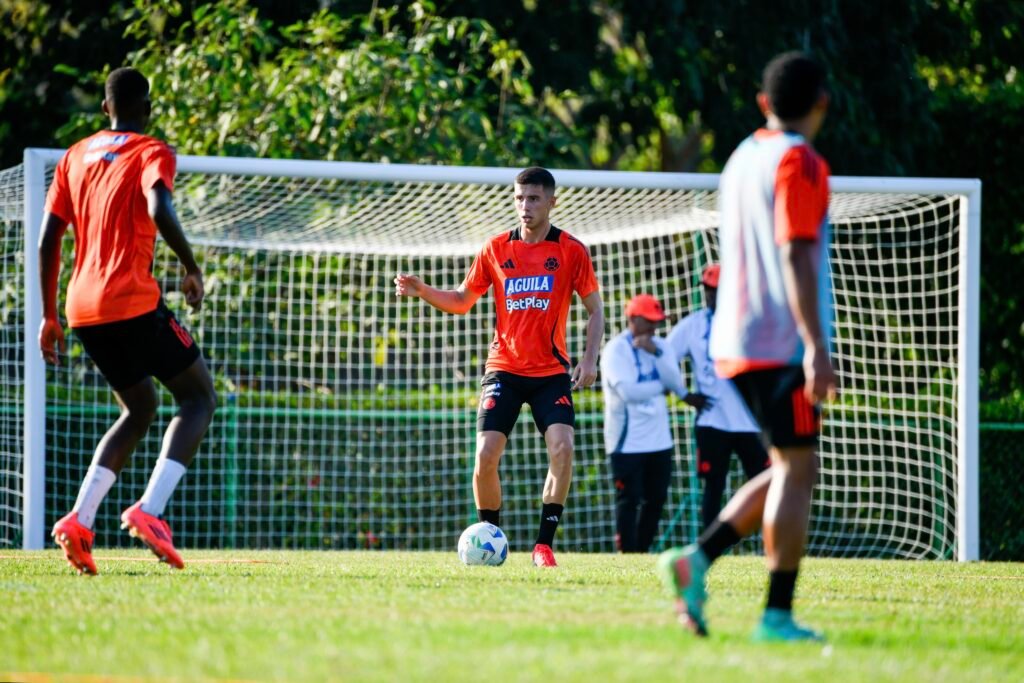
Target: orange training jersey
point(533, 286)
point(100, 187)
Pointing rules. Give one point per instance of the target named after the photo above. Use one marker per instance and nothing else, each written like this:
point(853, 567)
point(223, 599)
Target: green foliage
point(973, 111)
point(645, 85)
point(999, 449)
point(366, 87)
point(44, 49)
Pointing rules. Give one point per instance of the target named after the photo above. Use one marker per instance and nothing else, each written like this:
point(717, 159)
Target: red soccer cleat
point(543, 556)
point(152, 531)
point(76, 541)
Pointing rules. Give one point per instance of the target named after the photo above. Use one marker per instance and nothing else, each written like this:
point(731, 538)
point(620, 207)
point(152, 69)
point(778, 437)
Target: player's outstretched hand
point(192, 287)
point(51, 334)
point(407, 285)
point(819, 376)
point(584, 374)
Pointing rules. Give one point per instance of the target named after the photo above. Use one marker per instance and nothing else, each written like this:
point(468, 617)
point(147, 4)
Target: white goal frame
point(37, 161)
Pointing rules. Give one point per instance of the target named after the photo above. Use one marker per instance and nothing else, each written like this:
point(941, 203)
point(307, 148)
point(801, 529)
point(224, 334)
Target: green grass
point(361, 616)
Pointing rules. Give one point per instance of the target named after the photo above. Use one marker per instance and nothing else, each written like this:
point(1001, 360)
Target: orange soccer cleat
point(152, 531)
point(76, 541)
point(543, 556)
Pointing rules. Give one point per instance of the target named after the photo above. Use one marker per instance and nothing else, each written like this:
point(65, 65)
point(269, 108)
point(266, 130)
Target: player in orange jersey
point(534, 270)
point(115, 188)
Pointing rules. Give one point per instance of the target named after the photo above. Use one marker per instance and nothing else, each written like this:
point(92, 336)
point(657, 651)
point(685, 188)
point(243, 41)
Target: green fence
point(239, 497)
point(1001, 446)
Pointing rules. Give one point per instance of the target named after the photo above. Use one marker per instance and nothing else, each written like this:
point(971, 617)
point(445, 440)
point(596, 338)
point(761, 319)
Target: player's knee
point(141, 410)
point(201, 403)
point(560, 452)
point(487, 460)
point(802, 470)
point(209, 401)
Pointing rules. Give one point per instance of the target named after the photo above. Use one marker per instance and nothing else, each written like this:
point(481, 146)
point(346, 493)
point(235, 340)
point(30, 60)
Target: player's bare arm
point(161, 209)
point(457, 301)
point(585, 373)
point(802, 292)
point(51, 333)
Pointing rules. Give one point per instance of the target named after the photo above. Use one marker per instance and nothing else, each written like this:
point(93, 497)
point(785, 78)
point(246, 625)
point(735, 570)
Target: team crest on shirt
point(551, 264)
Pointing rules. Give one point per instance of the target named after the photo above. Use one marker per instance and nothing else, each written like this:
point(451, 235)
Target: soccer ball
point(483, 544)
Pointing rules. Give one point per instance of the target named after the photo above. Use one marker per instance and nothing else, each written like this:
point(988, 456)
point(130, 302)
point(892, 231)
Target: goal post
point(347, 416)
point(36, 164)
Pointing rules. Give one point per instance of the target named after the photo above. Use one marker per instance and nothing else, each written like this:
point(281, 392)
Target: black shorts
point(776, 400)
point(715, 448)
point(504, 394)
point(151, 345)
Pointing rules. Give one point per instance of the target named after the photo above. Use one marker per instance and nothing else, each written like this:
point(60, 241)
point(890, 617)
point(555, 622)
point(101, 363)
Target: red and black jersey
point(533, 287)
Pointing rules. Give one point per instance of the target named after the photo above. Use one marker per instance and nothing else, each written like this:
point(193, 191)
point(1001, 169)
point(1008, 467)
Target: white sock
point(166, 476)
point(95, 486)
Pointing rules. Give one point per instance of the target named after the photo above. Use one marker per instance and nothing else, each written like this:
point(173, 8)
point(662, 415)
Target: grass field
point(361, 616)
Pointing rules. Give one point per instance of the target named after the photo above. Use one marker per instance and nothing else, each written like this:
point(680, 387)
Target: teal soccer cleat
point(778, 625)
point(683, 571)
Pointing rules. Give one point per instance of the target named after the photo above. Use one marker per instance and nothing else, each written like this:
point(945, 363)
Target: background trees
point(918, 88)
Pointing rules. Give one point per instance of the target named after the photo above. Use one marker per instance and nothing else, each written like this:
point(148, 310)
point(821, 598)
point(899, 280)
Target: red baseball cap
point(710, 275)
point(645, 306)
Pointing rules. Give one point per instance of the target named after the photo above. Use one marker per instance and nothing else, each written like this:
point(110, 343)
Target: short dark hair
point(535, 175)
point(126, 90)
point(793, 81)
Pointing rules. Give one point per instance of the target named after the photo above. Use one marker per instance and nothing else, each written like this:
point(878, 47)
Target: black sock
point(781, 585)
point(488, 516)
point(550, 515)
point(717, 538)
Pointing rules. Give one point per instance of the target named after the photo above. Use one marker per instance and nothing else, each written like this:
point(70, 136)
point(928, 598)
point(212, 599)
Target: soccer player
point(770, 335)
point(725, 425)
point(637, 368)
point(534, 270)
point(115, 188)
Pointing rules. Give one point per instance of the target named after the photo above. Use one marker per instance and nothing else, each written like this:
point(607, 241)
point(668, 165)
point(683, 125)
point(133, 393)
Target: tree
point(39, 43)
point(971, 54)
point(366, 87)
point(669, 84)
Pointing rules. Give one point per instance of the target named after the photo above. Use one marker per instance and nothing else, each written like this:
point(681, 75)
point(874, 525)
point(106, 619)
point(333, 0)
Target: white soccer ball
point(483, 544)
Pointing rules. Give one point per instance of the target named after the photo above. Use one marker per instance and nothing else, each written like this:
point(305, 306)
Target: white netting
point(12, 312)
point(347, 416)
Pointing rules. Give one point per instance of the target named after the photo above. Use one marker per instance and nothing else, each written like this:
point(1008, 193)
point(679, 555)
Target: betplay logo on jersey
point(528, 285)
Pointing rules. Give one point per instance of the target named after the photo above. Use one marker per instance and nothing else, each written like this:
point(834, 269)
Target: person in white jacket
point(637, 369)
point(726, 425)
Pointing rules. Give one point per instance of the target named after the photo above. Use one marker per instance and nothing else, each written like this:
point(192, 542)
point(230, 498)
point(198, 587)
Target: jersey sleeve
point(678, 339)
point(616, 364)
point(478, 279)
point(58, 197)
point(801, 195)
point(668, 369)
point(158, 164)
point(584, 281)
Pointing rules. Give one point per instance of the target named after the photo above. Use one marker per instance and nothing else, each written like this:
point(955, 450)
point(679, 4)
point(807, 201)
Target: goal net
point(347, 415)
